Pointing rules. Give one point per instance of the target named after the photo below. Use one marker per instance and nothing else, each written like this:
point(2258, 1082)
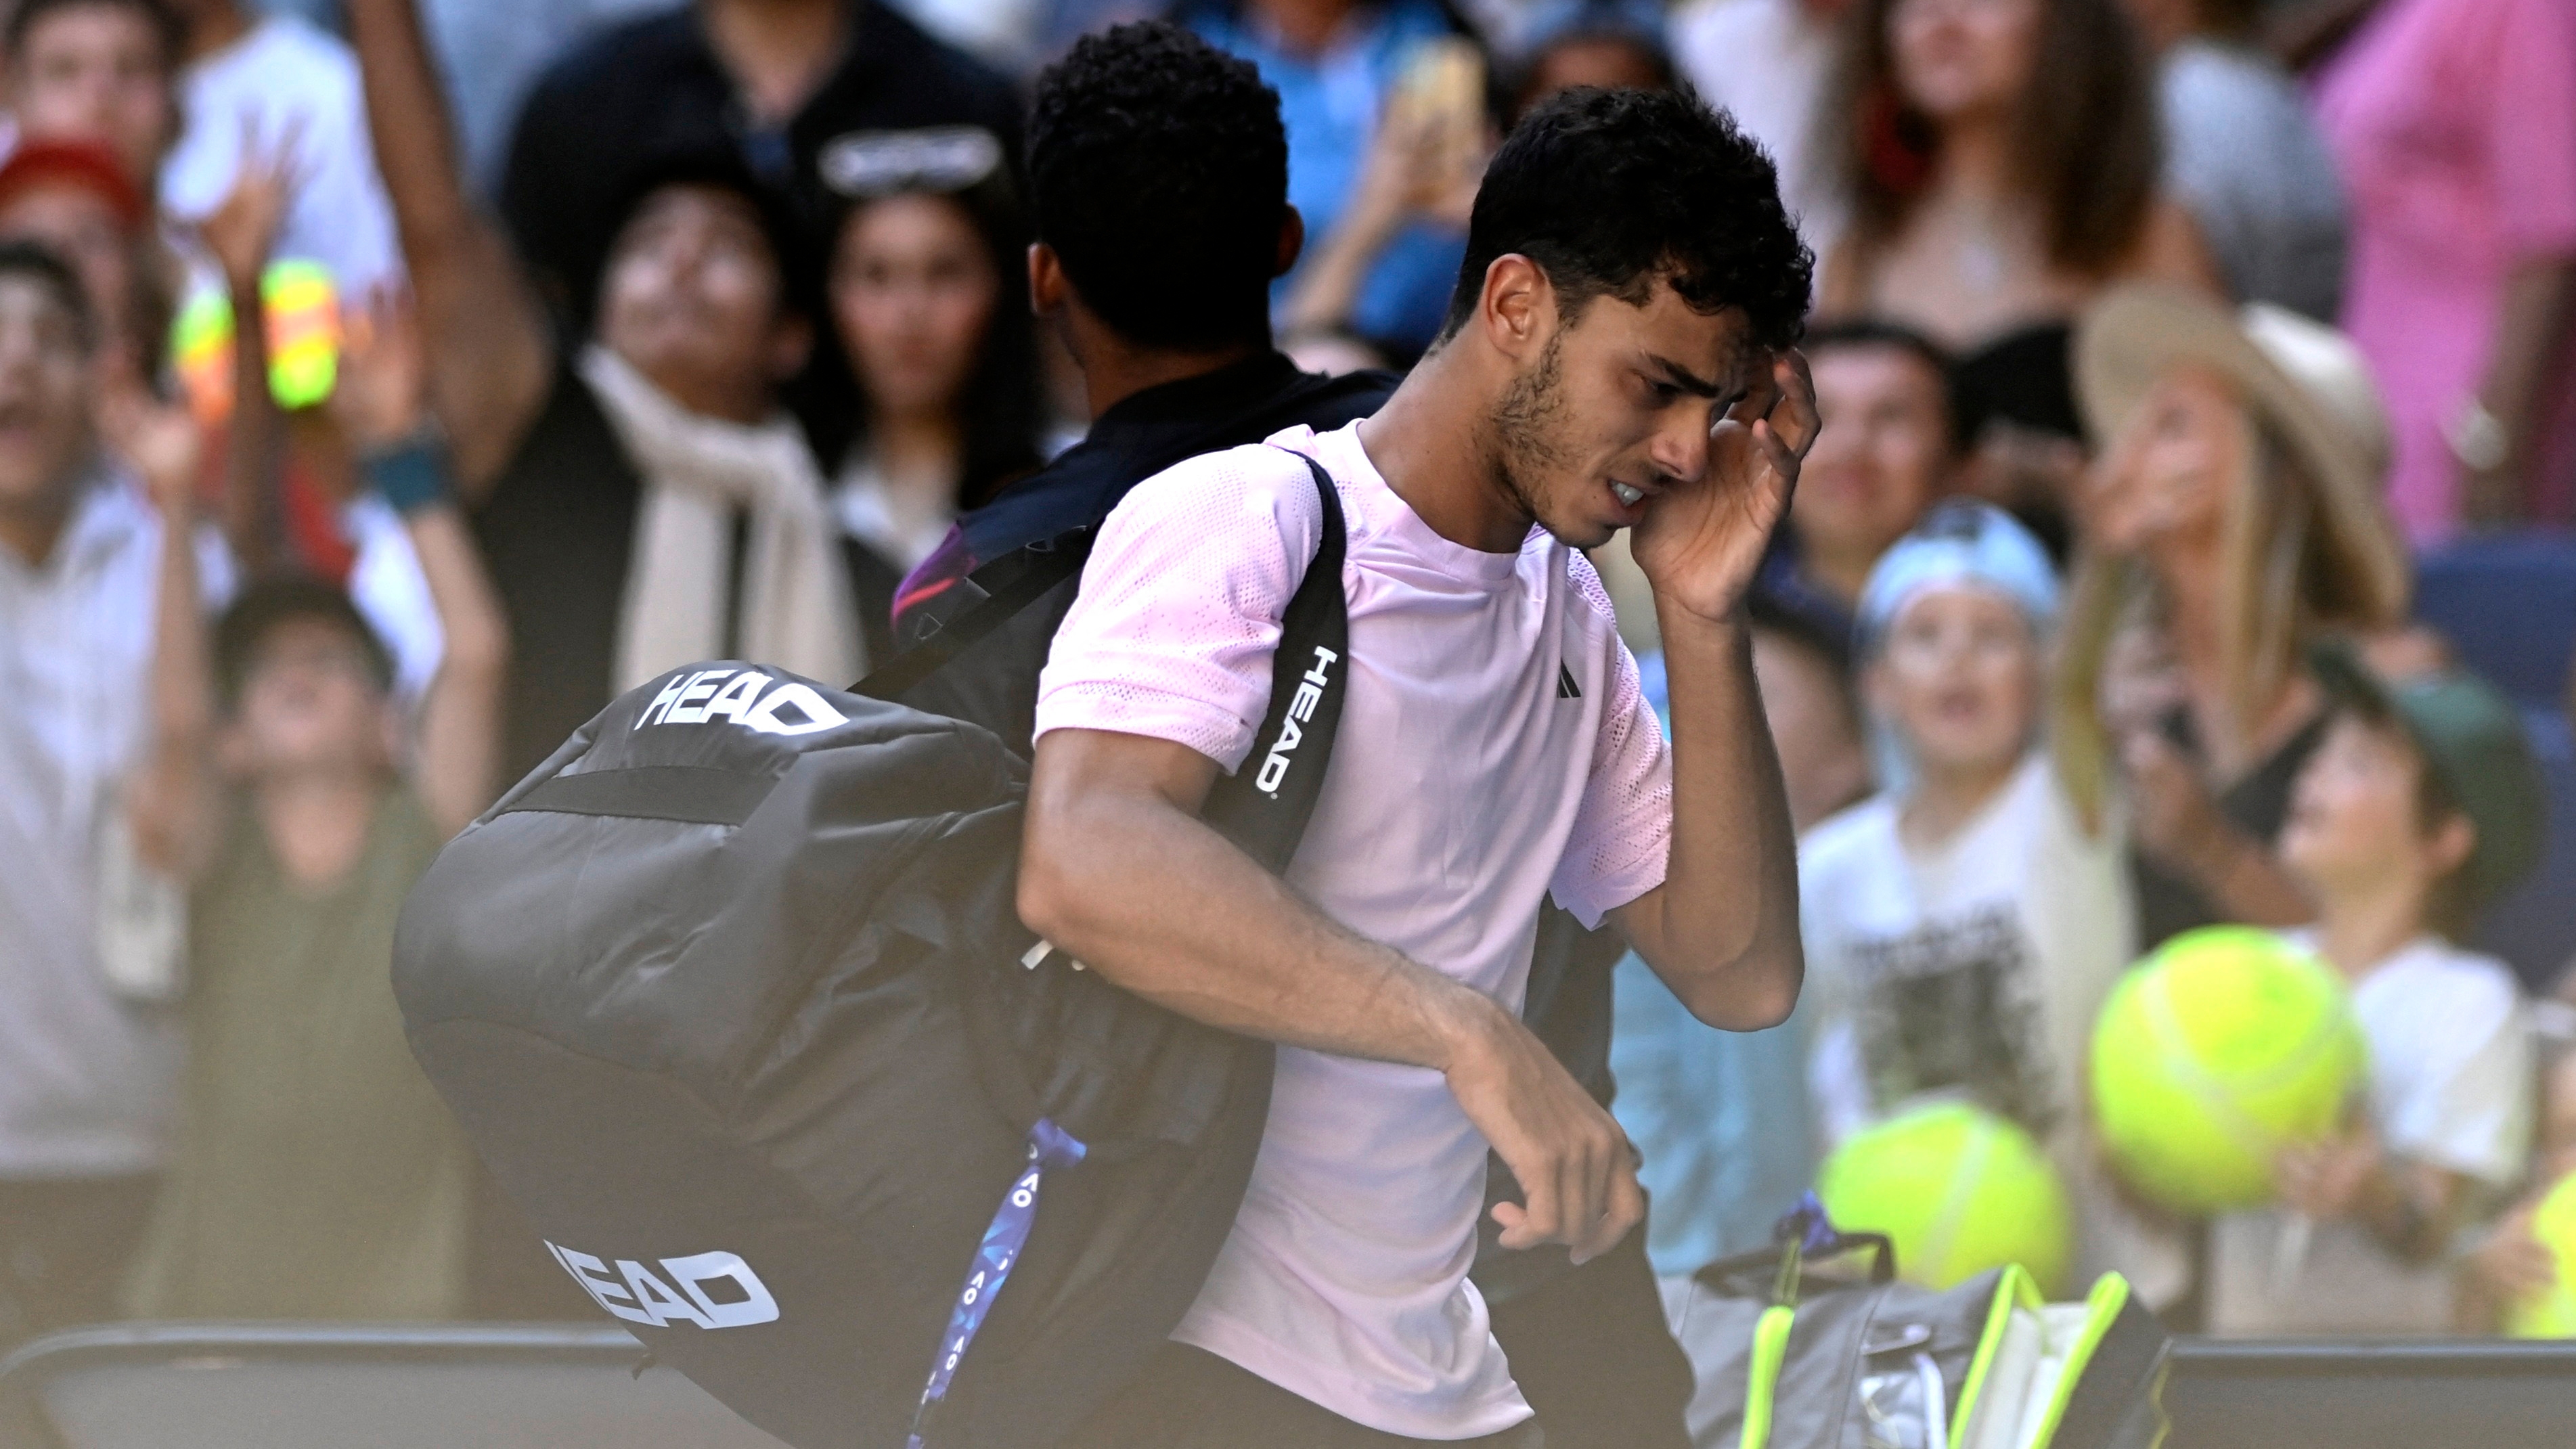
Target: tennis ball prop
point(1958, 1190)
point(2551, 1313)
point(2225, 1046)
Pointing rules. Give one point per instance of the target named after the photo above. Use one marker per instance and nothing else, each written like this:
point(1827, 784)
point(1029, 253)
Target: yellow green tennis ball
point(2551, 1313)
point(303, 331)
point(2222, 1048)
point(1958, 1189)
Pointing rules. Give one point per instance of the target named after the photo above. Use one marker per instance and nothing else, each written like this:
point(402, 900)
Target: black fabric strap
point(1041, 568)
point(685, 793)
point(1264, 806)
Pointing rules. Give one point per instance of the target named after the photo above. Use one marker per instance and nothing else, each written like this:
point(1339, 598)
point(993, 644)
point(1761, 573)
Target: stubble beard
point(1522, 434)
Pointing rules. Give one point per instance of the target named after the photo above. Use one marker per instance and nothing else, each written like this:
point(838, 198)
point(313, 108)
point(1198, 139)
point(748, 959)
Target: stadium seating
point(2507, 602)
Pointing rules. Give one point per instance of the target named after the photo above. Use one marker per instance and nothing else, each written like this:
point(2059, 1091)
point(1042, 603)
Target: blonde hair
point(2290, 567)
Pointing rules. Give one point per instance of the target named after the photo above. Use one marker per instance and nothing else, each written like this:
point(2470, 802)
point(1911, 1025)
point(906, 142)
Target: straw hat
point(2306, 379)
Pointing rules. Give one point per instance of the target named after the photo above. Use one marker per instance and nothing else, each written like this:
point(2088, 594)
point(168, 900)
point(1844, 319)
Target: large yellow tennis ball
point(2551, 1313)
point(2222, 1048)
point(1958, 1189)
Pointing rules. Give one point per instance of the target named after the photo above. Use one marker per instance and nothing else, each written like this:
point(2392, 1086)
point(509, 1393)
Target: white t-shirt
point(86, 1075)
point(1977, 967)
point(1770, 63)
point(2451, 1085)
point(286, 72)
point(1494, 747)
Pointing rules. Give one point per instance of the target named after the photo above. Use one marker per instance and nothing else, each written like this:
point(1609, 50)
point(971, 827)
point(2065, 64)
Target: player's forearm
point(1722, 930)
point(1180, 916)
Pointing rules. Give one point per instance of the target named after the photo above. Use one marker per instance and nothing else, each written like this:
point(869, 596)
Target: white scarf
point(796, 608)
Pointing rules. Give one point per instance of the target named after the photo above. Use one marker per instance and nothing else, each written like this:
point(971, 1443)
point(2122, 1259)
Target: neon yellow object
point(302, 309)
point(1958, 1189)
point(303, 332)
point(2225, 1046)
point(2551, 1313)
point(1762, 1374)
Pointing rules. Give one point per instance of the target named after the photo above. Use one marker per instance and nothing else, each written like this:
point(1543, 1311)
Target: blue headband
point(1959, 542)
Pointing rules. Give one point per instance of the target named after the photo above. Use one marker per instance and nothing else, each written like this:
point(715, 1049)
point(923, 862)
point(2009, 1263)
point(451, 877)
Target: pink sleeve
point(2532, 126)
point(1623, 830)
point(1172, 633)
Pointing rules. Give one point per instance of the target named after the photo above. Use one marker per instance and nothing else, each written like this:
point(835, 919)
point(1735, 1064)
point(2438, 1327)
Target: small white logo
point(1301, 708)
point(705, 696)
point(635, 1293)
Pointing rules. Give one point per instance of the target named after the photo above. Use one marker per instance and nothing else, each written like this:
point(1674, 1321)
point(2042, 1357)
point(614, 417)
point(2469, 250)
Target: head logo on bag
point(707, 696)
point(633, 1292)
point(1301, 708)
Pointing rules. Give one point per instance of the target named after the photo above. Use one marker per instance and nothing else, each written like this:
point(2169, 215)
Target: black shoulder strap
point(1039, 568)
point(1264, 806)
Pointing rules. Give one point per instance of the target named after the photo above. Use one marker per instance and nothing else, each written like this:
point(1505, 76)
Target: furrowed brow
point(1683, 378)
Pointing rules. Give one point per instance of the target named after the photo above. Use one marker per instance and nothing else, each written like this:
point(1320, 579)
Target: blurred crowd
point(383, 389)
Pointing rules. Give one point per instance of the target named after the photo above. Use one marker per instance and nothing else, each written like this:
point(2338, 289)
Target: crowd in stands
point(385, 389)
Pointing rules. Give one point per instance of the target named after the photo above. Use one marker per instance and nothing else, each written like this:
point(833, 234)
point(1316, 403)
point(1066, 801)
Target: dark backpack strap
point(1265, 804)
point(1040, 567)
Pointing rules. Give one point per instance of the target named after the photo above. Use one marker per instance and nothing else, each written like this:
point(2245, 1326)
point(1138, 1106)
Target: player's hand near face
point(1700, 544)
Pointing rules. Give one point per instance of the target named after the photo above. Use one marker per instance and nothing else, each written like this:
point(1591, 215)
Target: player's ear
point(1517, 308)
point(1292, 240)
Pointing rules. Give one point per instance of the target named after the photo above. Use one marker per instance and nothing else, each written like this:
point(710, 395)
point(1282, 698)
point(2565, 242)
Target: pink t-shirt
point(1494, 747)
point(2454, 125)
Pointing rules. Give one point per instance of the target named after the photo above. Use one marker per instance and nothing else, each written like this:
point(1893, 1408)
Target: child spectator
point(98, 70)
point(2418, 808)
point(101, 790)
point(317, 1174)
point(1961, 927)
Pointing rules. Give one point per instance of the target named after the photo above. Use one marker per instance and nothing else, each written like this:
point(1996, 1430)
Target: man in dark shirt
point(803, 89)
point(1158, 177)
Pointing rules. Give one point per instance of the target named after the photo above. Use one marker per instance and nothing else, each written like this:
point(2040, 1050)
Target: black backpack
point(732, 996)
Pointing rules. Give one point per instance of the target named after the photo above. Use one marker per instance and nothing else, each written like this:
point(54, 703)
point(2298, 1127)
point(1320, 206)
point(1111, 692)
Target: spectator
point(98, 70)
point(2244, 156)
point(1724, 1128)
point(1158, 182)
point(2233, 519)
point(2419, 807)
point(1963, 927)
point(74, 197)
point(797, 89)
point(1771, 63)
point(640, 455)
point(1345, 70)
point(2455, 129)
point(1613, 44)
point(2003, 158)
point(929, 299)
point(275, 83)
point(317, 1174)
point(1892, 449)
point(102, 770)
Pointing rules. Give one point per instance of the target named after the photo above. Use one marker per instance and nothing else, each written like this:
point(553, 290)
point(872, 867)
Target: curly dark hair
point(1615, 191)
point(1158, 171)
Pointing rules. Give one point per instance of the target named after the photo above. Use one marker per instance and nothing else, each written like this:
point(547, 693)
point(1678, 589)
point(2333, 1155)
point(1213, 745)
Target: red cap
point(82, 163)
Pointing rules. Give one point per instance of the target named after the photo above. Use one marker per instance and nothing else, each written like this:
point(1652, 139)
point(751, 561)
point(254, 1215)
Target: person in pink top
point(1618, 354)
point(2454, 125)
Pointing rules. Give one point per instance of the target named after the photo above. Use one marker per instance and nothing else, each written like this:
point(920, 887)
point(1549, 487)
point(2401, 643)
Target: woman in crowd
point(929, 299)
point(2454, 125)
point(2003, 157)
point(2234, 517)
